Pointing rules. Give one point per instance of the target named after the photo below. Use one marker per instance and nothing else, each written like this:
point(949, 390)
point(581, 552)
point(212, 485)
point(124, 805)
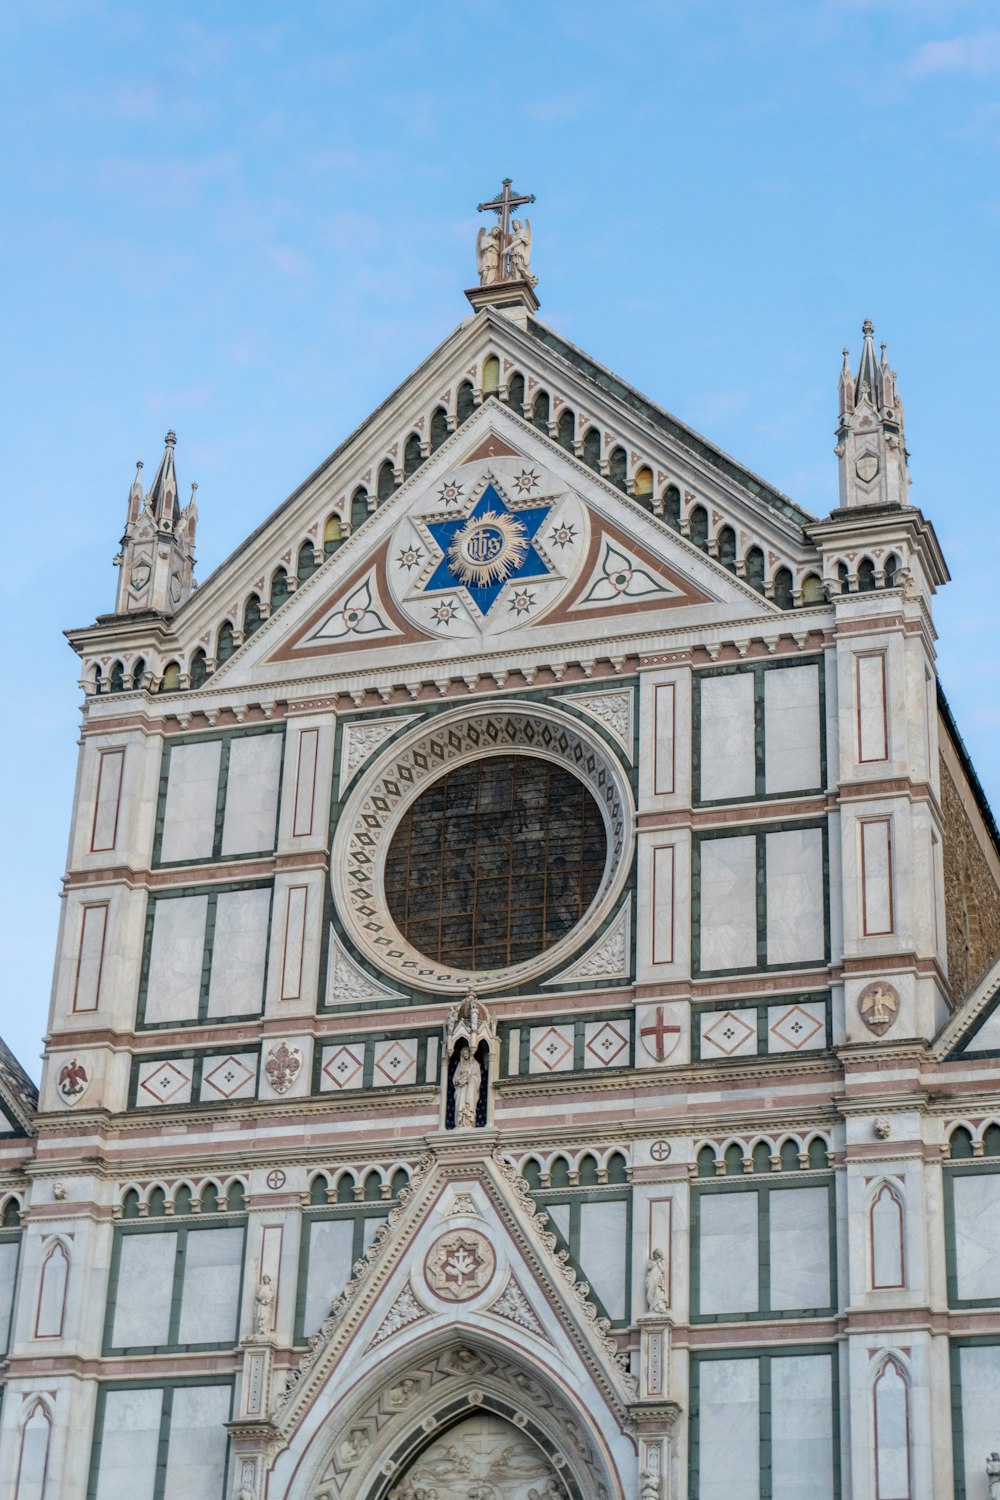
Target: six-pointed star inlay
point(487, 549)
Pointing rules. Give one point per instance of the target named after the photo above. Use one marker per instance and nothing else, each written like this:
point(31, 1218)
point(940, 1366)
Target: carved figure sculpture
point(656, 1283)
point(263, 1306)
point(519, 250)
point(468, 1081)
point(993, 1475)
point(488, 255)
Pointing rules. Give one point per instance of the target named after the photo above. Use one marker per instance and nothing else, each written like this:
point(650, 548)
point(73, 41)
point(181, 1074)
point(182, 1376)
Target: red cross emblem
point(659, 1037)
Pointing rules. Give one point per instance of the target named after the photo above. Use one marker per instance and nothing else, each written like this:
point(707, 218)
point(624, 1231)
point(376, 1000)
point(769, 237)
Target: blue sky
point(250, 222)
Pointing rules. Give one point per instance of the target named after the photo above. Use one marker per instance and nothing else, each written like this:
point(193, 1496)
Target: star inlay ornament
point(411, 557)
point(450, 493)
point(446, 611)
point(489, 548)
point(562, 535)
point(527, 481)
point(522, 603)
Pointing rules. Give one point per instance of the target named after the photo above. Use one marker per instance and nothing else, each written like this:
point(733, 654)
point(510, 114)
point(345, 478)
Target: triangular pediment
point(974, 1030)
point(18, 1096)
point(502, 540)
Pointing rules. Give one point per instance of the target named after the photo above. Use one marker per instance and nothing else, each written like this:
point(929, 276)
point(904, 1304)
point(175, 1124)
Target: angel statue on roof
point(488, 255)
point(519, 251)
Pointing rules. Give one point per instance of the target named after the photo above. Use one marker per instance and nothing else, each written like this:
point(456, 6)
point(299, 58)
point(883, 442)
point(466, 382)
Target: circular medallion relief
point(459, 1265)
point(483, 849)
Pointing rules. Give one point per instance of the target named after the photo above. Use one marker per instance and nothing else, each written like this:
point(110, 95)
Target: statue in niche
point(470, 1036)
point(263, 1307)
point(993, 1475)
point(468, 1081)
point(488, 255)
point(656, 1283)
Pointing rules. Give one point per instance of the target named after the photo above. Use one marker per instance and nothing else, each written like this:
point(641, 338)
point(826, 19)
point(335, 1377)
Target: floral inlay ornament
point(621, 577)
point(282, 1067)
point(878, 1005)
point(359, 613)
point(459, 1265)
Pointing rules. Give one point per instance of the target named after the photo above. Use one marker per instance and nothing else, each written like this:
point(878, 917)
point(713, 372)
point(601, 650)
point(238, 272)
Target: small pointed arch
point(566, 432)
point(617, 1169)
point(818, 1152)
point(10, 1213)
point(279, 588)
point(991, 1140)
point(672, 506)
point(592, 448)
point(199, 668)
point(156, 1203)
point(400, 1180)
point(138, 672)
point(727, 548)
point(844, 577)
point(491, 375)
point(210, 1196)
point(96, 678)
point(333, 534)
point(754, 569)
point(318, 1187)
point(762, 1156)
point(347, 1188)
point(783, 588)
point(889, 571)
point(53, 1278)
point(618, 467)
point(886, 1247)
point(359, 507)
point(586, 1170)
point(698, 526)
point(540, 410)
point(515, 392)
point(642, 487)
point(531, 1171)
point(225, 642)
point(170, 682)
point(465, 402)
point(35, 1422)
point(891, 1428)
point(439, 427)
point(733, 1158)
point(960, 1144)
point(412, 455)
point(236, 1198)
point(386, 481)
point(183, 1199)
point(705, 1161)
point(130, 1204)
point(117, 677)
point(866, 576)
point(252, 617)
point(788, 1153)
point(559, 1172)
point(373, 1186)
point(813, 591)
point(307, 562)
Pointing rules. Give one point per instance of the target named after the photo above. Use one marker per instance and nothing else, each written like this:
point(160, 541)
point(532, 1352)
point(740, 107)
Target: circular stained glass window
point(495, 862)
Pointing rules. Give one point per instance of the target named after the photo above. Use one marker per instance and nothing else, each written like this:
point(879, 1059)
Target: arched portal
point(484, 1456)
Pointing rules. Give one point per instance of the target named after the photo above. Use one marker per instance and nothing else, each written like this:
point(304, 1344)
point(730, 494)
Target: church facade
point(525, 1015)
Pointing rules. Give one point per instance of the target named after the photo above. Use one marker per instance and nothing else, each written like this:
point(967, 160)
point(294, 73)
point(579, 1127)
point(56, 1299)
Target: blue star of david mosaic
point(485, 595)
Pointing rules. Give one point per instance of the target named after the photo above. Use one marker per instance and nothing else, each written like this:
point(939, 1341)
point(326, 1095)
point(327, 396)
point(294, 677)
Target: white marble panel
point(987, 1038)
point(887, 1239)
point(394, 1062)
point(870, 688)
point(236, 987)
point(330, 1260)
point(728, 764)
point(296, 906)
point(144, 1290)
point(8, 1273)
point(175, 961)
point(232, 1076)
point(604, 1251)
point(729, 1429)
point(192, 793)
point(550, 1049)
point(33, 1460)
point(791, 729)
point(979, 1368)
point(165, 1081)
point(800, 1248)
point(662, 875)
point(130, 1445)
point(795, 930)
point(802, 1428)
point(90, 961)
point(370, 1228)
point(729, 903)
point(729, 1033)
point(796, 1028)
point(606, 1043)
point(892, 1430)
point(559, 1214)
point(876, 876)
point(727, 1252)
point(213, 1262)
point(196, 1458)
point(665, 738)
point(104, 833)
point(305, 783)
point(251, 817)
point(52, 1292)
point(977, 1234)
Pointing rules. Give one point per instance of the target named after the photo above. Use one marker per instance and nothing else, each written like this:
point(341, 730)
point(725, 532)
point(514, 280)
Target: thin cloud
point(978, 54)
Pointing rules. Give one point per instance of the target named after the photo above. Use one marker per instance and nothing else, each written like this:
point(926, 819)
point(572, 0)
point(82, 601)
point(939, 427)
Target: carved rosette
point(459, 1265)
